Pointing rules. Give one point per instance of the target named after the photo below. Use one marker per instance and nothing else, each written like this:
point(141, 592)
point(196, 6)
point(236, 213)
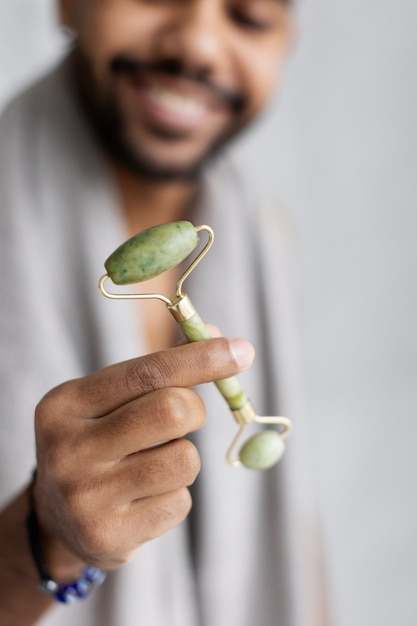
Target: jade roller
point(155, 251)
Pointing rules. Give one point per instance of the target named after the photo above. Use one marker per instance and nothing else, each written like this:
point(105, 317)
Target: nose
point(195, 34)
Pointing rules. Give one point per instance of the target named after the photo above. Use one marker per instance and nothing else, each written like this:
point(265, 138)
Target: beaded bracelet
point(68, 593)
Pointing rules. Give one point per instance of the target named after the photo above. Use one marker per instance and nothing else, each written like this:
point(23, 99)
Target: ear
point(291, 33)
point(66, 13)
point(294, 35)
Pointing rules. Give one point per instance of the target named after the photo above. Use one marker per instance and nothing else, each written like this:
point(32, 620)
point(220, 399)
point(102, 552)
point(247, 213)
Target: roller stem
point(194, 329)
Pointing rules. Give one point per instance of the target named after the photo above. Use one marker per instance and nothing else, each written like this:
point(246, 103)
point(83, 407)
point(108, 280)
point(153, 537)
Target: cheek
point(260, 70)
point(110, 30)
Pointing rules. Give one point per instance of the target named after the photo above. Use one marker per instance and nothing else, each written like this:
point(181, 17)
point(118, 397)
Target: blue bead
point(67, 594)
point(83, 587)
point(79, 589)
point(95, 575)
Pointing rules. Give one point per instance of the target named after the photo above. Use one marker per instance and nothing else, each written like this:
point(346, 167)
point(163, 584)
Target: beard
point(107, 120)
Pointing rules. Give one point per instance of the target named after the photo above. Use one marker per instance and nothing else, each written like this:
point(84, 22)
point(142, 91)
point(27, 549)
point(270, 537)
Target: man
point(127, 134)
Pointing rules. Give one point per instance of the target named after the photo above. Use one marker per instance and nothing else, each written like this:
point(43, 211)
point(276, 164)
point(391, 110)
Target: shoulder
point(45, 141)
point(25, 124)
point(46, 114)
point(28, 104)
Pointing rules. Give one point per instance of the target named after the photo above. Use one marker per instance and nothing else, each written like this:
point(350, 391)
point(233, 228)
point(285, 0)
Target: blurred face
point(166, 82)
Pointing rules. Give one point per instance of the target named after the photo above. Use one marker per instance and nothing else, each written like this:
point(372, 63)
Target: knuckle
point(45, 413)
point(210, 361)
point(147, 374)
point(224, 343)
point(183, 504)
point(146, 477)
point(80, 497)
point(184, 410)
point(176, 409)
point(100, 534)
point(199, 411)
point(51, 411)
point(174, 510)
point(106, 540)
point(187, 460)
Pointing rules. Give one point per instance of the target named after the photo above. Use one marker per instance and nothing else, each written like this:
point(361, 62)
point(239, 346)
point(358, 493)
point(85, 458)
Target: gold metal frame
point(182, 309)
point(158, 296)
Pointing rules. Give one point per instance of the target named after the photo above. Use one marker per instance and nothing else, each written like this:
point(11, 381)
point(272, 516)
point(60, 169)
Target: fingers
point(113, 464)
point(104, 514)
point(156, 471)
point(164, 415)
point(108, 516)
point(109, 543)
point(159, 514)
point(184, 366)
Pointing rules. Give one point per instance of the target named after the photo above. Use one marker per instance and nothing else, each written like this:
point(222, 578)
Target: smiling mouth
point(177, 103)
point(181, 111)
point(175, 107)
point(174, 98)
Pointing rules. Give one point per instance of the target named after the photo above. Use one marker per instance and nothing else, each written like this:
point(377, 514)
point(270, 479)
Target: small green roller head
point(262, 450)
point(152, 252)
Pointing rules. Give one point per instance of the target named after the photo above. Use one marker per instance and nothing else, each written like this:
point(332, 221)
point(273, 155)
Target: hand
point(113, 463)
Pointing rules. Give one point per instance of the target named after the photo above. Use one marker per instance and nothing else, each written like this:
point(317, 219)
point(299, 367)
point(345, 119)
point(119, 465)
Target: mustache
point(123, 64)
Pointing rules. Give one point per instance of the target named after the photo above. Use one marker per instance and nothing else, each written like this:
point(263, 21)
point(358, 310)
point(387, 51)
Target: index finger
point(184, 366)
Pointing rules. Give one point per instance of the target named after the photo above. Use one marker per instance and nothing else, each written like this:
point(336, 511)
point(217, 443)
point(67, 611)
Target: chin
point(150, 167)
point(156, 166)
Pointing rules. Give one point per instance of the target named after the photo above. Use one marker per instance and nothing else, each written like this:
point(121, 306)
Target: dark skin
point(101, 490)
point(202, 71)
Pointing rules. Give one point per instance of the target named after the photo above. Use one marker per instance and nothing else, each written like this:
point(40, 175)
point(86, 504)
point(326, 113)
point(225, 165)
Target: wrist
point(67, 578)
point(59, 560)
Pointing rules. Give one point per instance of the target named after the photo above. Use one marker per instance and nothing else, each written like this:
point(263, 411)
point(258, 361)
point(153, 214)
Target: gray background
point(339, 148)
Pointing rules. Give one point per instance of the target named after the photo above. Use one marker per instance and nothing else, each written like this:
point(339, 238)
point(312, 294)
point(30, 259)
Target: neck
point(148, 203)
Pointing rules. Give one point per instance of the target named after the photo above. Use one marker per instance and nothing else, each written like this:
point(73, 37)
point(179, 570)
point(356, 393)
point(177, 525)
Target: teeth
point(178, 103)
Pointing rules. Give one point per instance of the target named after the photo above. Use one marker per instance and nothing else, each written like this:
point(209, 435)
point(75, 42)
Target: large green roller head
point(152, 252)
